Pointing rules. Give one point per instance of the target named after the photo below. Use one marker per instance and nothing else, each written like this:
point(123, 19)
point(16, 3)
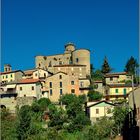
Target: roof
point(70, 65)
point(11, 72)
point(30, 71)
point(101, 102)
point(28, 81)
point(115, 74)
point(121, 85)
point(57, 73)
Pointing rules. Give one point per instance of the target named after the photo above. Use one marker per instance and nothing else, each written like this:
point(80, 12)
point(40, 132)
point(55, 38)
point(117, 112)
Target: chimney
point(7, 68)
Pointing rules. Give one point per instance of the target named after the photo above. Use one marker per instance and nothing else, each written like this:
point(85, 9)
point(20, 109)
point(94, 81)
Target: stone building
point(70, 56)
point(61, 83)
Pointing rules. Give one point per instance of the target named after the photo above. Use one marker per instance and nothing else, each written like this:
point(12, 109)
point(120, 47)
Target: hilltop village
point(60, 74)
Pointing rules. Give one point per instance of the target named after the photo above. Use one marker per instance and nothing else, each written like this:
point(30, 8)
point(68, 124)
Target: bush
point(94, 95)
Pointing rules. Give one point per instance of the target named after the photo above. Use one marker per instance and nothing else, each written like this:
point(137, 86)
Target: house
point(29, 88)
point(97, 110)
point(9, 76)
point(61, 83)
point(117, 78)
point(36, 73)
point(98, 86)
point(20, 93)
point(117, 91)
point(8, 95)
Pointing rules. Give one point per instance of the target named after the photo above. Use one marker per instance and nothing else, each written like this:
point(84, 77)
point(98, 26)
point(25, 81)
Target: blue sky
point(33, 27)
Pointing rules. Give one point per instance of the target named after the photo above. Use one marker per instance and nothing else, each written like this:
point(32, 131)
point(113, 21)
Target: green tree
point(24, 122)
point(131, 65)
point(97, 75)
point(119, 115)
point(105, 67)
point(94, 95)
point(43, 103)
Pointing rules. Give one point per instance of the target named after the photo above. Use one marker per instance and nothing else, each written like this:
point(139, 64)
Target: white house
point(96, 110)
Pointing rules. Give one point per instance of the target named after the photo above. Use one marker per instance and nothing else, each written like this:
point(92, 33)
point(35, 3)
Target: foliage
point(105, 67)
point(101, 130)
point(24, 122)
point(119, 114)
point(128, 82)
point(97, 75)
point(57, 117)
point(94, 95)
point(131, 65)
point(43, 103)
point(4, 113)
point(8, 130)
point(82, 98)
point(68, 99)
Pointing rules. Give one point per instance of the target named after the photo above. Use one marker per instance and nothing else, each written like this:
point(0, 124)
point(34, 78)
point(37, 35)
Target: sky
point(42, 27)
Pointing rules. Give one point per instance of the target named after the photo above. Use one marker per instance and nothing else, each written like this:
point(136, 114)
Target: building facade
point(71, 55)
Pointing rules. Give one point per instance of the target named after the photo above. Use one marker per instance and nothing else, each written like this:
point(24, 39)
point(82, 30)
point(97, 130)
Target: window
point(61, 92)
point(60, 76)
point(77, 60)
point(24, 95)
point(51, 92)
point(111, 78)
point(50, 84)
point(81, 84)
point(36, 74)
point(60, 84)
point(45, 75)
point(124, 91)
point(32, 87)
point(72, 82)
point(11, 75)
point(6, 76)
point(50, 64)
point(97, 111)
point(39, 64)
point(3, 77)
point(73, 91)
point(60, 62)
point(116, 90)
point(20, 88)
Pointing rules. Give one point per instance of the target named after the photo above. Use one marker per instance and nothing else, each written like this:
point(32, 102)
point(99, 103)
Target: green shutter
point(116, 90)
point(124, 91)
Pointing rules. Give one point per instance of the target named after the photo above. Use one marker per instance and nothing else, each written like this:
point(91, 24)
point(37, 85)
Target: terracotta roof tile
point(26, 81)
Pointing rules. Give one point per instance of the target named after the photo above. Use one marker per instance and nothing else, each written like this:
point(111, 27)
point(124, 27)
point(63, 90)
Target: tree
point(43, 103)
point(97, 75)
point(74, 108)
point(24, 122)
point(119, 115)
point(94, 95)
point(105, 67)
point(131, 66)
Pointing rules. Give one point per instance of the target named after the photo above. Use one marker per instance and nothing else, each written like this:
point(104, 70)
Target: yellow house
point(10, 76)
point(115, 78)
point(97, 110)
point(117, 91)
